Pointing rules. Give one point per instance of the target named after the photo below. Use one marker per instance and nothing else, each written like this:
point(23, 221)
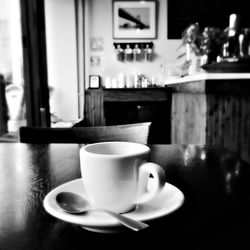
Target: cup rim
point(144, 149)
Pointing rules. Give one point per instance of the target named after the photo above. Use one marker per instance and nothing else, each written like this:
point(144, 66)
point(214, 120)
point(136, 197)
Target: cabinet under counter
point(131, 105)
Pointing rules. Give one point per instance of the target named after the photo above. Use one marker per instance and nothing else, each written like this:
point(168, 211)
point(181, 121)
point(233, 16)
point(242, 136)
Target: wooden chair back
point(137, 132)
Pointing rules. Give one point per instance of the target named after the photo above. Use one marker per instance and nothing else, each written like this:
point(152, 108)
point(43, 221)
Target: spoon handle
point(128, 222)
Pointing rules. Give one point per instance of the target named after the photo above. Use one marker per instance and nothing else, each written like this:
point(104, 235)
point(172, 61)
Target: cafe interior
point(173, 75)
point(84, 70)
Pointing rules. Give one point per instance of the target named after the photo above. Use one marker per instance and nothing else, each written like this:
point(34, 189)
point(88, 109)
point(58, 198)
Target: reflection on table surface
point(216, 211)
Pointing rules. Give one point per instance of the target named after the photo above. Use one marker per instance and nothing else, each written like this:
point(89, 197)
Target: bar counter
point(213, 109)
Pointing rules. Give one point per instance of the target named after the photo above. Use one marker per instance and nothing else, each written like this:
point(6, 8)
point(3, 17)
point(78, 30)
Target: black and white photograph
point(134, 19)
point(124, 125)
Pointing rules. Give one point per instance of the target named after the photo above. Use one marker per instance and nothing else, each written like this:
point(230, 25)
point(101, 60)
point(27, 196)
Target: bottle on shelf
point(244, 43)
point(128, 52)
point(148, 53)
point(137, 53)
point(230, 48)
point(119, 53)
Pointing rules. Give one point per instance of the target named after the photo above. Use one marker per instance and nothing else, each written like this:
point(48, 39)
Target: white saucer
point(166, 202)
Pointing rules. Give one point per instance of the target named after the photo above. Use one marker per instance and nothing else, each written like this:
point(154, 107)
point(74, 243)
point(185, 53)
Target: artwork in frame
point(134, 19)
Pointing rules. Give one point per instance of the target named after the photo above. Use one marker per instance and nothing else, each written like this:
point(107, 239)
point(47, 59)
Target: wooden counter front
point(213, 112)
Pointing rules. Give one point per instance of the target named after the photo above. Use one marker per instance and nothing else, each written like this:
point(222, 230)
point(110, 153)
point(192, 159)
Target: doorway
point(43, 81)
point(13, 108)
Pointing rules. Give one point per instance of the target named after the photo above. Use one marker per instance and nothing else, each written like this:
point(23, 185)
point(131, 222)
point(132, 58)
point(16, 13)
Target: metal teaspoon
point(74, 204)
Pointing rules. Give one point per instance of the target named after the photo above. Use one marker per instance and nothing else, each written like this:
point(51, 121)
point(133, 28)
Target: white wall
point(100, 25)
point(61, 50)
point(62, 57)
point(5, 49)
point(11, 60)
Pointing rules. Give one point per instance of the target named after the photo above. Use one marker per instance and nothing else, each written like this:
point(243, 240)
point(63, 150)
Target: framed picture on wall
point(134, 19)
point(94, 81)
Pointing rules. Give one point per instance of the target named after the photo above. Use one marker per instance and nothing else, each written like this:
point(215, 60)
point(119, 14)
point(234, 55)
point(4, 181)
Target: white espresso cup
point(116, 174)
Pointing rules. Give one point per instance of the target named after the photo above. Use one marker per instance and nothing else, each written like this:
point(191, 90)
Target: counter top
point(207, 83)
point(207, 76)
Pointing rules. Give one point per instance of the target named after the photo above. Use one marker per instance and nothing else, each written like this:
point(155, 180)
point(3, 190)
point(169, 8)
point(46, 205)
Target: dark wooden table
point(215, 214)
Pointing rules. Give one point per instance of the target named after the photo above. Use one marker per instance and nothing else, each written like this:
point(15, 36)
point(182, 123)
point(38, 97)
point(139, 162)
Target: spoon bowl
point(72, 203)
point(75, 204)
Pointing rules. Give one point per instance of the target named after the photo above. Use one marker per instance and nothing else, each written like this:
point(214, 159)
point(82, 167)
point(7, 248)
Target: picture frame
point(134, 19)
point(94, 81)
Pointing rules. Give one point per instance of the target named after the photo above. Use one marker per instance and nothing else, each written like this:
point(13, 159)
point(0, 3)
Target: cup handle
point(158, 178)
